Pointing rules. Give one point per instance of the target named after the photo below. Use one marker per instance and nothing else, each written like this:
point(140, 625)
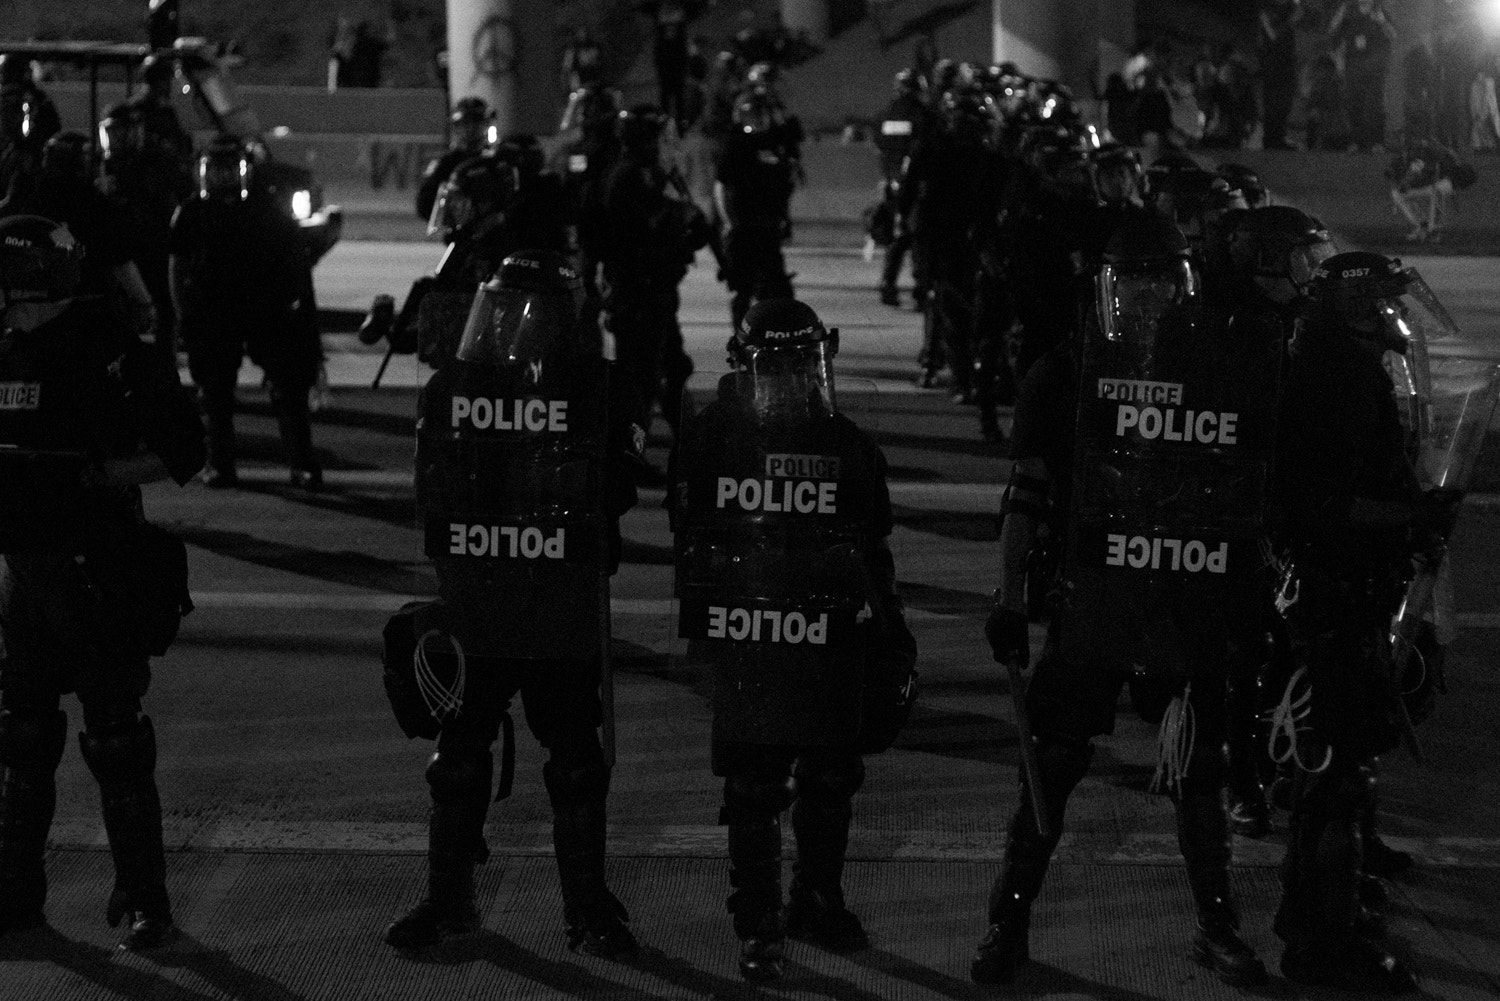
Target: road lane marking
point(708, 841)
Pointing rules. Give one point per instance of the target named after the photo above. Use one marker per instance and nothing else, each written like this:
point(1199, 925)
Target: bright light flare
point(1488, 12)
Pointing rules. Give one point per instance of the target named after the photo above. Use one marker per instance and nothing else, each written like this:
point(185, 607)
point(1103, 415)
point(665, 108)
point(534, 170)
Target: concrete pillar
point(809, 16)
point(1064, 39)
point(506, 52)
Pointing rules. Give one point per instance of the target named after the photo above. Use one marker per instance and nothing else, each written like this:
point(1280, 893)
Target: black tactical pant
point(279, 343)
point(640, 312)
point(60, 632)
point(1338, 629)
point(1070, 704)
point(754, 268)
point(761, 781)
point(949, 269)
point(562, 707)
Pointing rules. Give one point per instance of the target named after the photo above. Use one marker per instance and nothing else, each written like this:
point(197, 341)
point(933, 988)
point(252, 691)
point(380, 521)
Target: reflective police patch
point(20, 395)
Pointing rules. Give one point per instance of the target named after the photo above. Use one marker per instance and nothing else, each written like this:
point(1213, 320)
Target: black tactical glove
point(1432, 525)
point(1009, 634)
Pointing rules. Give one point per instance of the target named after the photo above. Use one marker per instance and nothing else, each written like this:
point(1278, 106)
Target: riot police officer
point(522, 449)
point(239, 271)
point(84, 599)
point(470, 129)
point(1087, 468)
point(146, 184)
point(164, 136)
point(1274, 251)
point(650, 230)
point(902, 125)
point(1351, 516)
point(769, 603)
point(756, 168)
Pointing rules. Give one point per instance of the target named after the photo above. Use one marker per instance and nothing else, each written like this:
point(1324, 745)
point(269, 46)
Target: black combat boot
point(1327, 941)
point(220, 472)
point(1203, 837)
point(820, 823)
point(459, 779)
point(30, 748)
point(1005, 946)
point(122, 757)
point(596, 920)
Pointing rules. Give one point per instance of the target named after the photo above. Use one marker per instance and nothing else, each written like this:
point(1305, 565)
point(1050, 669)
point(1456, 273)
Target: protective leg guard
point(1203, 837)
point(821, 814)
point(30, 748)
point(122, 757)
point(458, 777)
point(1250, 812)
point(1320, 913)
point(597, 923)
point(753, 802)
point(1379, 858)
point(1004, 947)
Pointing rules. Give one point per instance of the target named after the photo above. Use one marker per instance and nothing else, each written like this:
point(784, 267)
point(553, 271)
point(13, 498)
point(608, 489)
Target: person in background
point(1362, 31)
point(1277, 41)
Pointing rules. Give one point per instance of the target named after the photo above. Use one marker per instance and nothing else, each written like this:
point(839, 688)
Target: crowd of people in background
point(1326, 64)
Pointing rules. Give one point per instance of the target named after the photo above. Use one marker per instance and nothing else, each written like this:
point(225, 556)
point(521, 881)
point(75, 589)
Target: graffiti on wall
point(495, 48)
point(399, 164)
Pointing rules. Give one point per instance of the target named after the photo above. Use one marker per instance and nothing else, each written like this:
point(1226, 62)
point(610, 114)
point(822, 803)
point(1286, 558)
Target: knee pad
point(455, 772)
point(758, 792)
point(829, 778)
point(33, 740)
point(119, 751)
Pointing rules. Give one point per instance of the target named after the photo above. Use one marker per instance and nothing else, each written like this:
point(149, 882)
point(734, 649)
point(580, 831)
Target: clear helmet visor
point(519, 327)
point(1303, 260)
point(788, 385)
point(1135, 300)
point(452, 211)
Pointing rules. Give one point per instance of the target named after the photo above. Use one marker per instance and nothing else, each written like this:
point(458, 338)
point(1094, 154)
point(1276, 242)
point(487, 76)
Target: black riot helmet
point(785, 357)
point(122, 132)
point(1195, 199)
point(1247, 181)
point(639, 129)
point(66, 157)
point(968, 116)
point(592, 111)
point(39, 260)
point(1279, 248)
point(527, 316)
point(226, 171)
point(1147, 279)
point(757, 113)
point(472, 124)
point(479, 188)
point(1354, 290)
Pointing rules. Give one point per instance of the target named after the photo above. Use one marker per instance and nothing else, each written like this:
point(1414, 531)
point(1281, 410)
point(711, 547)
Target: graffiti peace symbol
point(495, 47)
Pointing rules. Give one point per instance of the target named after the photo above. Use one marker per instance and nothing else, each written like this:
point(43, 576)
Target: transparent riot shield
point(1165, 544)
point(1448, 401)
point(770, 585)
point(510, 488)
